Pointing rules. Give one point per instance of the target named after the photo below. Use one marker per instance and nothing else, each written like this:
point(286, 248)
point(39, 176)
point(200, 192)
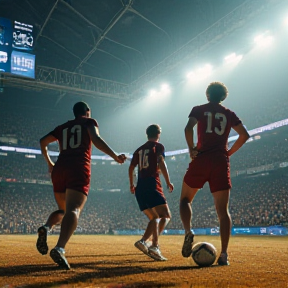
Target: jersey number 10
point(75, 137)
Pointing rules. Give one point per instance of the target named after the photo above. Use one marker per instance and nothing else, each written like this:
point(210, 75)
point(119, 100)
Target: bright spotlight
point(263, 39)
point(286, 22)
point(200, 73)
point(233, 58)
point(165, 87)
point(152, 93)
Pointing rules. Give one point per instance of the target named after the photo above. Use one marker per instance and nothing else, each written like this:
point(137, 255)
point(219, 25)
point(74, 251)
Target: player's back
point(214, 124)
point(146, 157)
point(74, 140)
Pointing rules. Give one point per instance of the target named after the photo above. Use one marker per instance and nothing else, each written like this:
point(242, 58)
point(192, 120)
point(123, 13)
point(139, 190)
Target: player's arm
point(189, 135)
point(44, 142)
point(243, 137)
point(102, 145)
point(163, 167)
point(131, 177)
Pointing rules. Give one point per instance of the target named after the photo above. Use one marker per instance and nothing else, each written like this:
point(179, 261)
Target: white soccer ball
point(204, 254)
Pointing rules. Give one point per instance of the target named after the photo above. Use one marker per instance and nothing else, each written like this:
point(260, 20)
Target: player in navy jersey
point(210, 162)
point(150, 159)
point(70, 176)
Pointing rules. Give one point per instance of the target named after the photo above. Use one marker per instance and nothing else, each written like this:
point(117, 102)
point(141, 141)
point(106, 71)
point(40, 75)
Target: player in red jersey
point(150, 159)
point(70, 176)
point(210, 162)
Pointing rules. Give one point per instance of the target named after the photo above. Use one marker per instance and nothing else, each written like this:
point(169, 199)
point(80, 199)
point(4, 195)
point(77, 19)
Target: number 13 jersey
point(214, 125)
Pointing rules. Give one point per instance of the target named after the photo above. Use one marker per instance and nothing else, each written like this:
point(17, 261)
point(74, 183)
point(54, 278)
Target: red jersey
point(146, 157)
point(214, 125)
point(74, 142)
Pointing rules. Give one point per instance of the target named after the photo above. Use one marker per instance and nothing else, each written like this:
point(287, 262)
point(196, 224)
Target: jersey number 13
point(218, 116)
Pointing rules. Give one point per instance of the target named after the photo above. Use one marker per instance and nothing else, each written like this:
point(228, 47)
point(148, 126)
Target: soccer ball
point(204, 254)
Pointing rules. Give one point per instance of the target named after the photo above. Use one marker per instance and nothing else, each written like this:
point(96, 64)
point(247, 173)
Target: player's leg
point(187, 196)
point(75, 202)
point(164, 214)
point(53, 219)
point(221, 200)
point(56, 217)
point(151, 229)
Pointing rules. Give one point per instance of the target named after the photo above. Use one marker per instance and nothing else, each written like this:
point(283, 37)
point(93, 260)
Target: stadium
point(139, 62)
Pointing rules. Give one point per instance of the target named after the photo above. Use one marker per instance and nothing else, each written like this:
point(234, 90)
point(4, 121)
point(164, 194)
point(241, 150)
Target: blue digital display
point(23, 64)
point(14, 41)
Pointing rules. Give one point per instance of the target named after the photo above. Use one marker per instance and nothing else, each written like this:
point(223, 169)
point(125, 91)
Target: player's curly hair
point(153, 131)
point(216, 92)
point(80, 109)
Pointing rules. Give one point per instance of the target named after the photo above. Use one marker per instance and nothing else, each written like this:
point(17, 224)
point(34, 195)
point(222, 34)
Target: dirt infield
point(113, 262)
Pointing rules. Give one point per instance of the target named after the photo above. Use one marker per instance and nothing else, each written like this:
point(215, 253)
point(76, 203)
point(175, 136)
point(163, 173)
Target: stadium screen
point(16, 47)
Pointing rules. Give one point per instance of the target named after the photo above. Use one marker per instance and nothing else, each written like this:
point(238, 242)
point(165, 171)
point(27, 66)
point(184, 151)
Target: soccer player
point(149, 192)
point(210, 162)
point(71, 176)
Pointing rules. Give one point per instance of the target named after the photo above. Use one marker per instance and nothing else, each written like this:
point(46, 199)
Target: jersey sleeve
point(91, 122)
point(195, 112)
point(235, 120)
point(160, 150)
point(56, 132)
point(135, 159)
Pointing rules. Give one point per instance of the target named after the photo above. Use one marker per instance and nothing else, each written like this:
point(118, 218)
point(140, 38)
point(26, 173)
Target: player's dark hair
point(80, 109)
point(153, 131)
point(217, 92)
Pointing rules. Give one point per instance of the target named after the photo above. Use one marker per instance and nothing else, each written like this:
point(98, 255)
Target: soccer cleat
point(142, 246)
point(58, 256)
point(187, 245)
point(41, 243)
point(155, 253)
point(223, 260)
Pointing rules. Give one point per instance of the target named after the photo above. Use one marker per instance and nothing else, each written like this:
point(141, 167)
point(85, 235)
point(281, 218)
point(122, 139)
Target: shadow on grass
point(98, 273)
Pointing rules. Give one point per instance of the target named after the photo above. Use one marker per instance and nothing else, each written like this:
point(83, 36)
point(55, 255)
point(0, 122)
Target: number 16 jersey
point(146, 157)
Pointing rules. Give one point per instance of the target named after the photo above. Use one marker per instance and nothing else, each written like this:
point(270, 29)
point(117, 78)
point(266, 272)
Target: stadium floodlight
point(200, 73)
point(165, 87)
point(264, 39)
point(233, 58)
point(152, 93)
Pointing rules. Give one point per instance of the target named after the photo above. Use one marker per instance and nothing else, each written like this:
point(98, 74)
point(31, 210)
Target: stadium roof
point(122, 40)
point(119, 40)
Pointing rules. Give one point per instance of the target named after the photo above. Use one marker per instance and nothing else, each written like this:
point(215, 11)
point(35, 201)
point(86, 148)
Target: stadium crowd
point(255, 201)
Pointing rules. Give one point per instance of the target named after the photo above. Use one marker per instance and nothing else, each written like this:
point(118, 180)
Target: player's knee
point(75, 211)
point(60, 211)
point(184, 201)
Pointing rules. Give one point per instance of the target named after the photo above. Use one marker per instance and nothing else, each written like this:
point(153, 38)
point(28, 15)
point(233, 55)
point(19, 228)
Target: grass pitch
point(114, 262)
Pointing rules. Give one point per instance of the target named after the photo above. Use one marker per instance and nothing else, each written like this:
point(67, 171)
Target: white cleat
point(155, 253)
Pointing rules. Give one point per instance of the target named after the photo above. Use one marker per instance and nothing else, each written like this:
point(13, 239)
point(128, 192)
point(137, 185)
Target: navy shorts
point(149, 193)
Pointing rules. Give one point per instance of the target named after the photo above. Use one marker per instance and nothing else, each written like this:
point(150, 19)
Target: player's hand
point(193, 153)
point(170, 187)
point(121, 158)
point(132, 189)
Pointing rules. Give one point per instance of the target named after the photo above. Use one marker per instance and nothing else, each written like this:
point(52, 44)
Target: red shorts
point(213, 168)
point(71, 177)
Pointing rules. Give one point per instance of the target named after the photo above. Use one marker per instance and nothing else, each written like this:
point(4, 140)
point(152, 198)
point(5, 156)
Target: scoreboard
point(16, 48)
